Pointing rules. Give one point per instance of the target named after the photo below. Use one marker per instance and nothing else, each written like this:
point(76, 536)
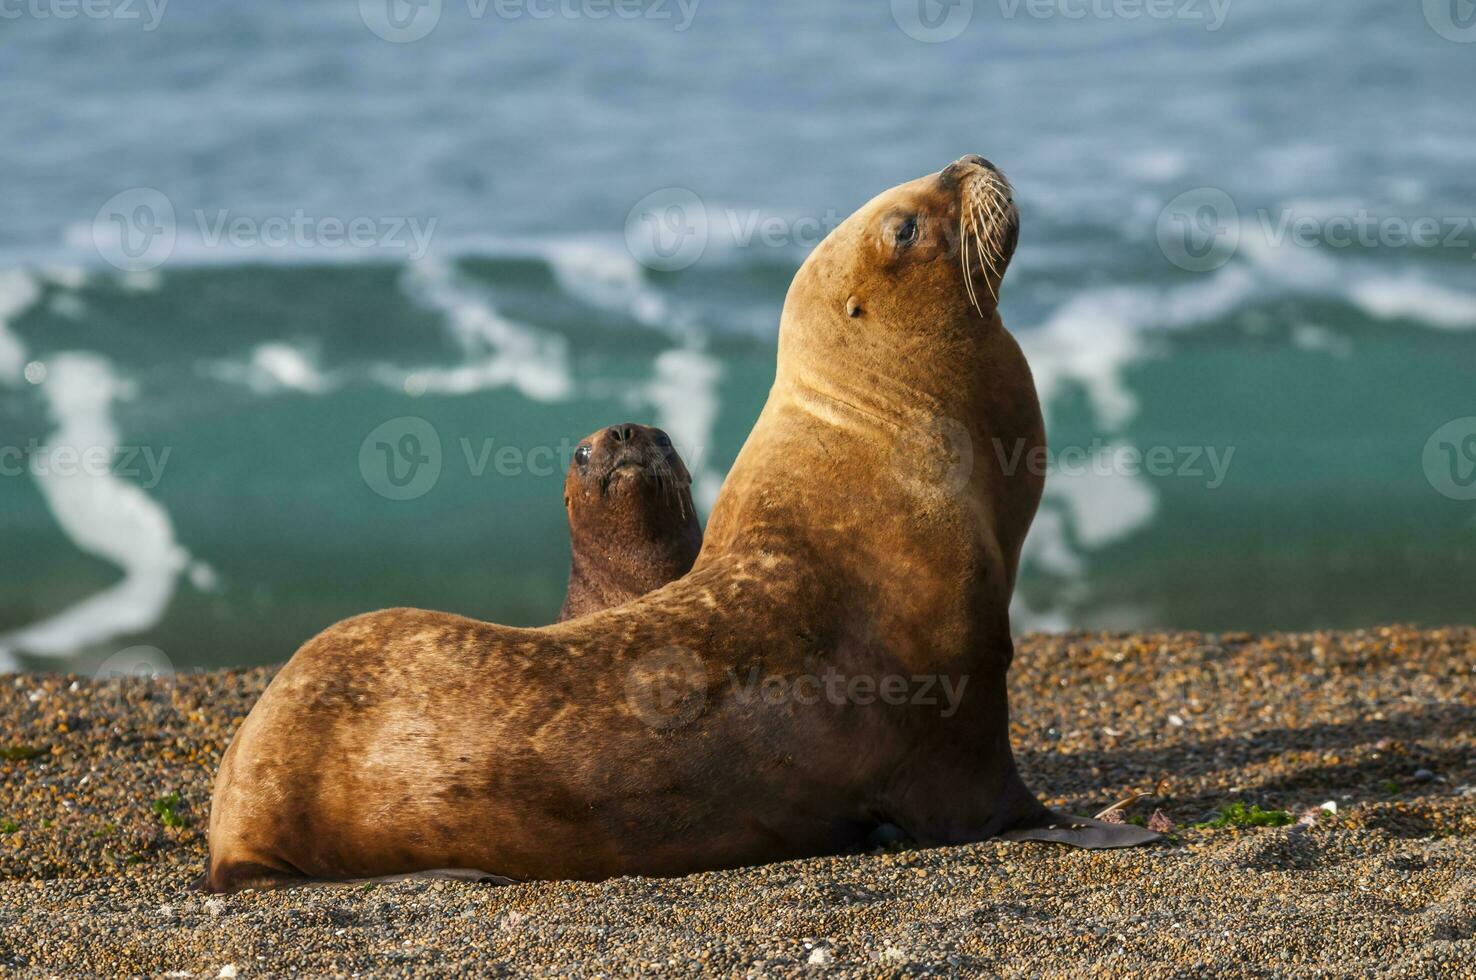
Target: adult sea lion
point(699, 726)
point(632, 525)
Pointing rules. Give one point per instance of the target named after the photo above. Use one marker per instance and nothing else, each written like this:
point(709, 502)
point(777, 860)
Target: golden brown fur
point(406, 740)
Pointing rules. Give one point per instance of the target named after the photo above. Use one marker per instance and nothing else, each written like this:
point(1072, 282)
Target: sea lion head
point(627, 483)
point(914, 274)
point(632, 526)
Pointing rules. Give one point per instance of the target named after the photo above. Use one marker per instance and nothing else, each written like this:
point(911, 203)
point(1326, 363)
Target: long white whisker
point(963, 242)
point(989, 271)
point(982, 221)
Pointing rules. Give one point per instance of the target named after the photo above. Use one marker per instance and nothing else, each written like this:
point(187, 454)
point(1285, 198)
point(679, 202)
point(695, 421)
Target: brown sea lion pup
point(779, 700)
point(632, 525)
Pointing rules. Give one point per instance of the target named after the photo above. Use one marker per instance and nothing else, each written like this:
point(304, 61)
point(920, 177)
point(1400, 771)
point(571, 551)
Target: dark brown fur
point(621, 742)
point(632, 525)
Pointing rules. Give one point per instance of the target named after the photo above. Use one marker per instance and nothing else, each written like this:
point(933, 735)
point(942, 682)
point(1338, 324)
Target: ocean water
point(297, 321)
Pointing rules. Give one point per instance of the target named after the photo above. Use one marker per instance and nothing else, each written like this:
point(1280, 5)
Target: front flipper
point(434, 874)
point(1059, 828)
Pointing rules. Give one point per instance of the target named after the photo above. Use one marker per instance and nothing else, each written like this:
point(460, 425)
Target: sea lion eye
point(907, 231)
point(581, 455)
point(663, 440)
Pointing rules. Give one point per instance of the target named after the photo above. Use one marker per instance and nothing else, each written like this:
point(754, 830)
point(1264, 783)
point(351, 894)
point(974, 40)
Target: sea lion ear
point(853, 307)
point(1095, 835)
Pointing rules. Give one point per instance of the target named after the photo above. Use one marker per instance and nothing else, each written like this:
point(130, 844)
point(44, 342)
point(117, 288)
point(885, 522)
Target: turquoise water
point(254, 396)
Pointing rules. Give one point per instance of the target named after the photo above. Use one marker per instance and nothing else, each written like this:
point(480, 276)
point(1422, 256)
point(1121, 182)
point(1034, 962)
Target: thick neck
point(622, 551)
point(937, 364)
point(895, 477)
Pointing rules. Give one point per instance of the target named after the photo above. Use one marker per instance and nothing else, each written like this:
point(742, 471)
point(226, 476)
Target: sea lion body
point(632, 524)
point(848, 541)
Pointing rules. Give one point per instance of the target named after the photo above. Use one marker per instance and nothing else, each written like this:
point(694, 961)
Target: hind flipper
point(433, 874)
point(238, 877)
point(235, 876)
point(1061, 828)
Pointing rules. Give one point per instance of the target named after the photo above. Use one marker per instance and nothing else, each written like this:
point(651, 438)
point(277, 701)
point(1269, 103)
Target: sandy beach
point(1340, 768)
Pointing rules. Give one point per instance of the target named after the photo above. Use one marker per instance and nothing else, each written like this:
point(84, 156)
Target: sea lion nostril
point(978, 161)
point(623, 433)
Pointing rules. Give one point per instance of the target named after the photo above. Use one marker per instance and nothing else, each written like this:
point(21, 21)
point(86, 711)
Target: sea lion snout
point(965, 165)
point(624, 432)
point(629, 449)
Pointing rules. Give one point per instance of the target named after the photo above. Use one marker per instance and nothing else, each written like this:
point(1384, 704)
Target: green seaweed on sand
point(8, 826)
point(1391, 786)
point(167, 807)
point(1240, 815)
point(19, 753)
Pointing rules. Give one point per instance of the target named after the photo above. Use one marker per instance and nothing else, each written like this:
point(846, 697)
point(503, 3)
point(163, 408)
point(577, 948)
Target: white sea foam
point(1283, 264)
point(1048, 547)
point(1316, 338)
point(18, 290)
point(1026, 619)
point(102, 515)
point(1394, 298)
point(609, 278)
point(600, 272)
point(1093, 338)
point(67, 305)
point(1156, 165)
point(147, 281)
point(1090, 341)
point(276, 367)
point(1104, 506)
point(683, 391)
point(500, 351)
point(1082, 512)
